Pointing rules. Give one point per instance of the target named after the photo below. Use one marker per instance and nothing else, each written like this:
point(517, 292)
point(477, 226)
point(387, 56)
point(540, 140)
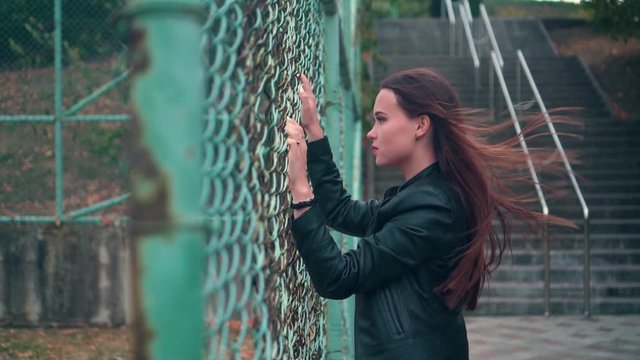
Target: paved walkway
point(561, 337)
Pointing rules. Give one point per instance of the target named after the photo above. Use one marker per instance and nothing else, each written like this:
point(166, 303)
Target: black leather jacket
point(406, 248)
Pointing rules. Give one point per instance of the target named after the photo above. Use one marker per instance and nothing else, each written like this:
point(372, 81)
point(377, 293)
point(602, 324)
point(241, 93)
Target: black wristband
point(304, 204)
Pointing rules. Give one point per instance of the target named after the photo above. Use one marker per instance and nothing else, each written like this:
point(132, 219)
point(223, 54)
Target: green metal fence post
point(352, 146)
point(336, 338)
point(57, 18)
point(167, 94)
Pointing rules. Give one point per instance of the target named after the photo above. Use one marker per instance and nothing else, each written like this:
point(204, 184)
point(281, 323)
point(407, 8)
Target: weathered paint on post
point(340, 130)
point(167, 94)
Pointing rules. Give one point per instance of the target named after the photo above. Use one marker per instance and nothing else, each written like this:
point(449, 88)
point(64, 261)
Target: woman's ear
point(424, 125)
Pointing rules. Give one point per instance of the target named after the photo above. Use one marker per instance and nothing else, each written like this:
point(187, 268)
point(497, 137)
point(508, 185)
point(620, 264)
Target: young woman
point(421, 259)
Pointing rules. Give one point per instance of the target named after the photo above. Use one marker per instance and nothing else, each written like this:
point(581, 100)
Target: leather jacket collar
point(392, 191)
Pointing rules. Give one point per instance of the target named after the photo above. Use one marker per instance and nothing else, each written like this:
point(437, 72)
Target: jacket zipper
point(374, 219)
point(394, 312)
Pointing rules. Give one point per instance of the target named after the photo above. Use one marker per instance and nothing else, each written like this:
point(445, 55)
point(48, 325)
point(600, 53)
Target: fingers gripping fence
point(258, 300)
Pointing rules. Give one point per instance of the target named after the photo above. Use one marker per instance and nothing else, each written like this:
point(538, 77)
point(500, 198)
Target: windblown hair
point(483, 174)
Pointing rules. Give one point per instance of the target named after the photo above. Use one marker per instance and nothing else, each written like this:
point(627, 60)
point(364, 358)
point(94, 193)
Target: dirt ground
point(68, 344)
point(614, 63)
point(85, 343)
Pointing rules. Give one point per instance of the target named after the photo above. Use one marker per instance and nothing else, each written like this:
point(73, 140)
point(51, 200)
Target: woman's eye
point(380, 119)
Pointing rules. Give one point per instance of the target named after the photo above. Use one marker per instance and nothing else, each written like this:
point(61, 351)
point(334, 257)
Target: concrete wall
point(74, 274)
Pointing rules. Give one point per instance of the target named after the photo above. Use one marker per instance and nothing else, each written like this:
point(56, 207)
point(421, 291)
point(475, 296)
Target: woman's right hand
point(309, 112)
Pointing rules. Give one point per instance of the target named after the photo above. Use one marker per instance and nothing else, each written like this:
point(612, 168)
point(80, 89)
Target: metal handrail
point(468, 10)
point(452, 27)
point(516, 125)
point(472, 46)
point(492, 36)
point(585, 209)
point(532, 171)
point(450, 14)
point(498, 63)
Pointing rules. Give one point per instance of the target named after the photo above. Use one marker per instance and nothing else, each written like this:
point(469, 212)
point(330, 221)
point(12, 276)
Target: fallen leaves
point(85, 343)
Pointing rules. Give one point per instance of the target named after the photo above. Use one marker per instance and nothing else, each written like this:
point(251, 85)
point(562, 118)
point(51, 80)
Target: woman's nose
point(370, 134)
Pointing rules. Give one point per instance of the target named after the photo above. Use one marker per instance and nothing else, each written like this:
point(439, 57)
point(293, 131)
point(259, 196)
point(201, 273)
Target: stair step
point(608, 166)
point(599, 211)
point(595, 226)
point(566, 306)
point(599, 273)
point(535, 289)
point(567, 241)
point(573, 256)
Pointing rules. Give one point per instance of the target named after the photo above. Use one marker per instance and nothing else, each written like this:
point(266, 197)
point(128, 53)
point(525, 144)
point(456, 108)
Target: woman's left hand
point(297, 170)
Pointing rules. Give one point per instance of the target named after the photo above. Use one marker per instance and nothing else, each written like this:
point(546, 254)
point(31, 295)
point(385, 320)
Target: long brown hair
point(482, 173)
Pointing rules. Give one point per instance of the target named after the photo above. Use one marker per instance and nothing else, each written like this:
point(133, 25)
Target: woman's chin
point(379, 161)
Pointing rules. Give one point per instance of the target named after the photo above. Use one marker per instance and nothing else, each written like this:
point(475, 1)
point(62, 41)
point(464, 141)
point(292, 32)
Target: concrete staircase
point(610, 170)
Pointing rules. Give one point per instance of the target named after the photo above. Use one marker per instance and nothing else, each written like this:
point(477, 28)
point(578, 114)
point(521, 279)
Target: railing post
point(518, 83)
point(460, 33)
point(476, 76)
point(167, 235)
point(587, 269)
point(491, 92)
point(547, 270)
point(452, 39)
point(452, 27)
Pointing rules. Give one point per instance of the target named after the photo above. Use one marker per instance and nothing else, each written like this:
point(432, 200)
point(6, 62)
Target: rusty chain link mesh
point(260, 303)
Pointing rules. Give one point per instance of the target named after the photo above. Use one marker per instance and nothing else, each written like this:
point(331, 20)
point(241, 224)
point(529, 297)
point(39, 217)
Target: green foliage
point(621, 18)
point(413, 9)
point(105, 144)
point(539, 9)
point(27, 28)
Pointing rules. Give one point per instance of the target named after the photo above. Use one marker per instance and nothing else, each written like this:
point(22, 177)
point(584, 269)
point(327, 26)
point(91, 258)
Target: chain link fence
point(260, 302)
point(77, 79)
point(258, 299)
point(64, 125)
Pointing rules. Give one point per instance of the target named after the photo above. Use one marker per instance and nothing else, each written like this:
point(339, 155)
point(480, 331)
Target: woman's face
point(393, 134)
